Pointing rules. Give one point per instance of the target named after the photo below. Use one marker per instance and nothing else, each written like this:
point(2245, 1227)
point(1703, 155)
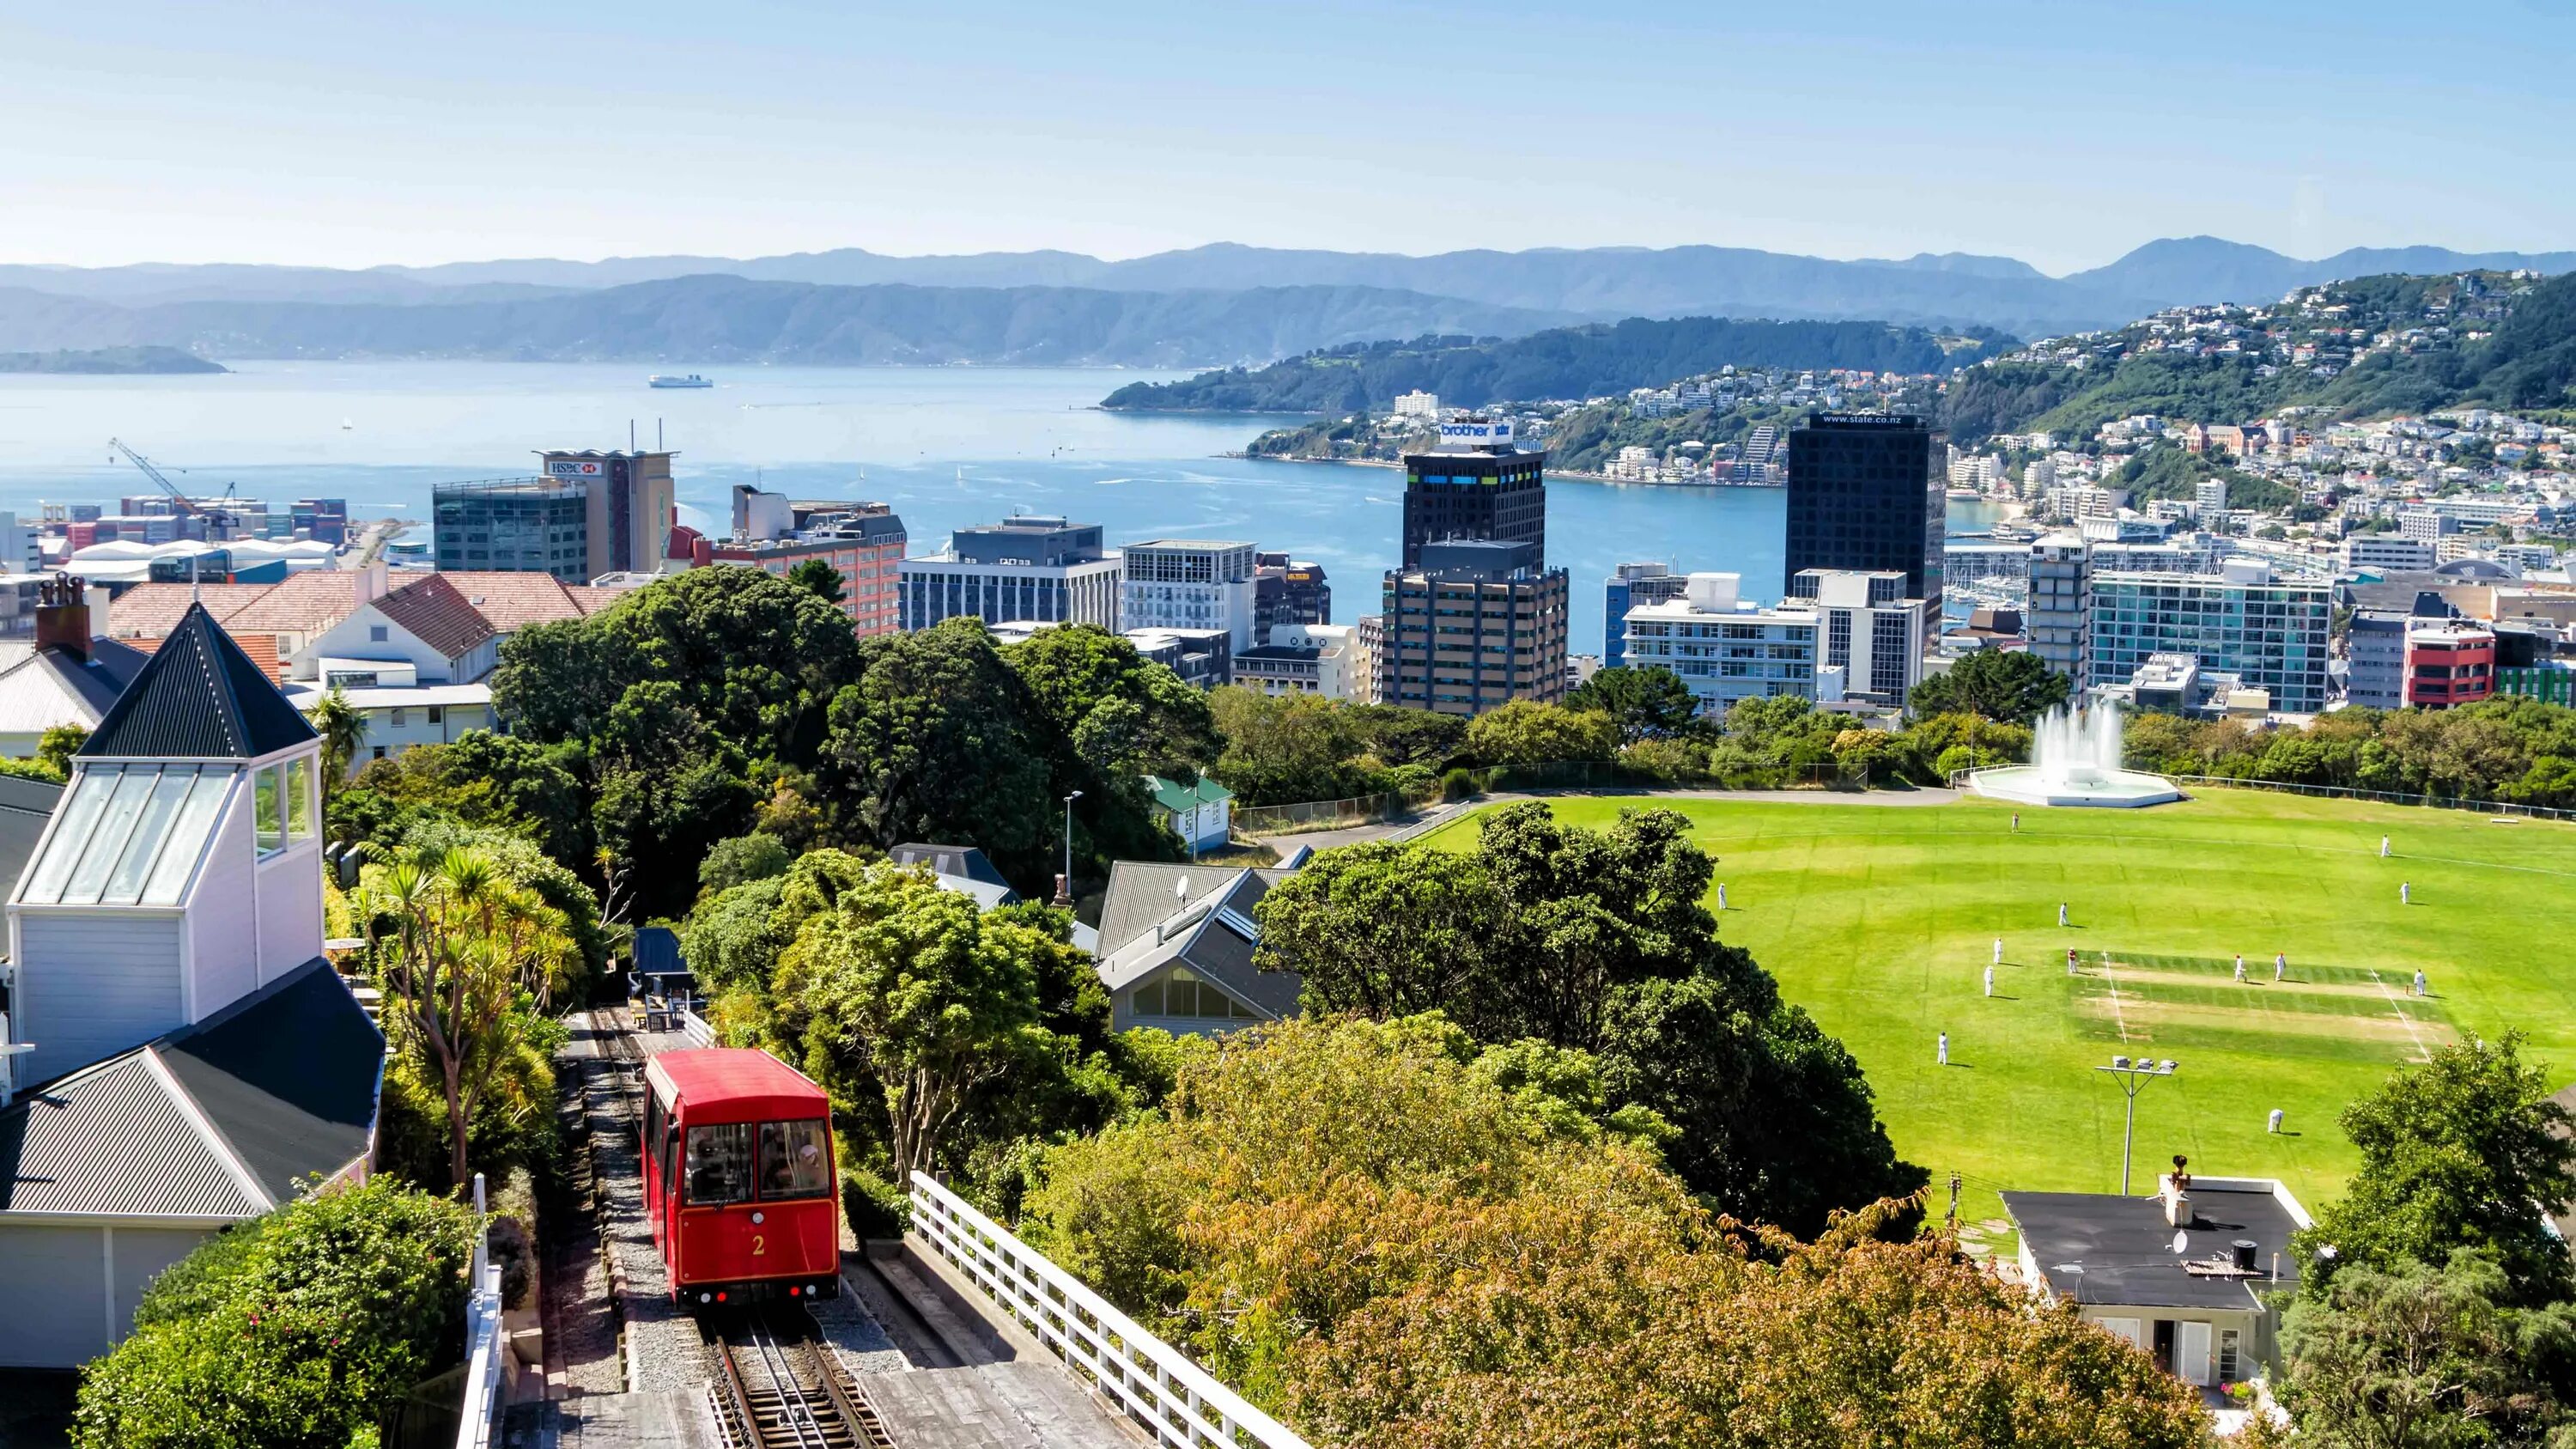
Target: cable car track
point(777, 1391)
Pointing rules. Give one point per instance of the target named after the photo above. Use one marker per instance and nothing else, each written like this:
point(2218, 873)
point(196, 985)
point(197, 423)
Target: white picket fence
point(484, 1344)
point(1155, 1383)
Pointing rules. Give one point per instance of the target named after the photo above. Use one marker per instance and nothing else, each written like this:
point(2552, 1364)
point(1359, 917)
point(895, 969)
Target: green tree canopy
point(817, 577)
point(911, 987)
point(935, 742)
point(305, 1327)
point(1526, 732)
point(1598, 942)
point(2011, 685)
point(1641, 703)
point(2465, 1151)
point(2418, 1357)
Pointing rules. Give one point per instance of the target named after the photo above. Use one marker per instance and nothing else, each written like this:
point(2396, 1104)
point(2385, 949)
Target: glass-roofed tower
point(182, 870)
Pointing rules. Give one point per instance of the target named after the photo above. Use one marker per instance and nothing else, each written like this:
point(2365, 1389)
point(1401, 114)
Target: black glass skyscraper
point(1866, 492)
point(1474, 492)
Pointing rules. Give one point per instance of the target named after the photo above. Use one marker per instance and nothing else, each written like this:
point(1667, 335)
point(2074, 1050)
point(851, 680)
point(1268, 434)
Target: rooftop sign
point(1476, 433)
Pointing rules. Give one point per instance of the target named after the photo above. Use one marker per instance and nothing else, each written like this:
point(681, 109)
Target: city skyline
point(308, 135)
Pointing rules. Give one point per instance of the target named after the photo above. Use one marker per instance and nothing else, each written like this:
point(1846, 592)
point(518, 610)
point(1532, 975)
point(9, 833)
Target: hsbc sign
point(575, 468)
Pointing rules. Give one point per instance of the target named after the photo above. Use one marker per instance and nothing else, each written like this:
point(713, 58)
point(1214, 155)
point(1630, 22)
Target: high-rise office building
point(2059, 615)
point(1474, 486)
point(1287, 591)
point(1632, 584)
point(519, 525)
point(627, 503)
point(2269, 632)
point(1476, 623)
point(1188, 583)
point(1867, 493)
point(1021, 570)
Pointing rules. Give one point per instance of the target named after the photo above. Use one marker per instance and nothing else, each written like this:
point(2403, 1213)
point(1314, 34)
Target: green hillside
point(2364, 348)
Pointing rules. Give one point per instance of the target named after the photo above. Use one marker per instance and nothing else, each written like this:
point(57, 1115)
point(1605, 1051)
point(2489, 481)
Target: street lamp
point(2133, 1076)
point(1068, 840)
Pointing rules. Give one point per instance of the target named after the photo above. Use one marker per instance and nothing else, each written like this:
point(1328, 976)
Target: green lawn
point(1881, 919)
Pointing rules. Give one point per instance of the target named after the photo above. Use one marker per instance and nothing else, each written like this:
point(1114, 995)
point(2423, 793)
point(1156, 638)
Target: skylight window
point(129, 836)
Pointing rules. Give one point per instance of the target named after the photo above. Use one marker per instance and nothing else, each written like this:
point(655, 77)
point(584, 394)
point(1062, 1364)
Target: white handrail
point(483, 1342)
point(1156, 1383)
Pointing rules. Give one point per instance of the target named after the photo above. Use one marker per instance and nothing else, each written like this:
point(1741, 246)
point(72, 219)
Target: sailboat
point(346, 424)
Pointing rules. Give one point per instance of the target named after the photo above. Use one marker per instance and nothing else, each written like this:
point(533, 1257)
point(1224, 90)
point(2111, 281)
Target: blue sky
point(2063, 134)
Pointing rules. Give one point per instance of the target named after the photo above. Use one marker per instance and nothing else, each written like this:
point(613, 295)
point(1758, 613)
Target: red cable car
point(738, 1178)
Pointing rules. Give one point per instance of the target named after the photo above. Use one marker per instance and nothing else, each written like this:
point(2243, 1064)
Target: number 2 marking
point(759, 1245)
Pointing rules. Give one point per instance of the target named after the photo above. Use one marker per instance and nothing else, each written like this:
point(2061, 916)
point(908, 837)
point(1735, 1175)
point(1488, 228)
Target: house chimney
point(2245, 1251)
point(371, 586)
point(62, 616)
point(1063, 893)
point(2176, 1186)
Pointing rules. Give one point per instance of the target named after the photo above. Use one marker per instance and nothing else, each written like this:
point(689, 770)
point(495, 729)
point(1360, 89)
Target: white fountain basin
point(2032, 785)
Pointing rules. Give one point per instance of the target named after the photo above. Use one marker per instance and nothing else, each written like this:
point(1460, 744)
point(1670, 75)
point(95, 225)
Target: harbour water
point(946, 446)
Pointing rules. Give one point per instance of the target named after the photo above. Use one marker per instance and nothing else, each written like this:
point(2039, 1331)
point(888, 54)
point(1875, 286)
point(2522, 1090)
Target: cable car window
point(795, 1160)
point(720, 1164)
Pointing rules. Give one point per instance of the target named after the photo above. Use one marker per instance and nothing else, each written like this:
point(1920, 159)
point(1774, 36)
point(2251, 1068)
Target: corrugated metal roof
point(199, 698)
point(287, 1076)
point(113, 1140)
point(269, 1092)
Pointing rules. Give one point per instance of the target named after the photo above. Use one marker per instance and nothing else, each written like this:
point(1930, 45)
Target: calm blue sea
point(946, 446)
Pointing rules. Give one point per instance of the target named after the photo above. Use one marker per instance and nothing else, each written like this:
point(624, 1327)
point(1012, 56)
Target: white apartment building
point(1723, 647)
point(1866, 628)
point(2269, 632)
point(1043, 570)
point(2387, 552)
point(1417, 404)
point(1320, 659)
point(1190, 583)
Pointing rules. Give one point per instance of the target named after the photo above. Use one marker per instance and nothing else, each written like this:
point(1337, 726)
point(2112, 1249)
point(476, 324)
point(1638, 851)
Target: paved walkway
point(1435, 816)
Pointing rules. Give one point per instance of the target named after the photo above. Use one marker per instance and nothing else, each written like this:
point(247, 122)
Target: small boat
point(346, 424)
point(661, 379)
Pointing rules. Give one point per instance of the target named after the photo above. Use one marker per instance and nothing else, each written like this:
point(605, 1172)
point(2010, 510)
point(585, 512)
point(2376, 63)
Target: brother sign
point(1476, 434)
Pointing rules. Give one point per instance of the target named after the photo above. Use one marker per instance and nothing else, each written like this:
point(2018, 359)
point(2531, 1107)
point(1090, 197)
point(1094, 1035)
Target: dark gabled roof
point(287, 1075)
point(199, 698)
point(958, 860)
point(1212, 933)
point(25, 806)
point(224, 1119)
point(99, 678)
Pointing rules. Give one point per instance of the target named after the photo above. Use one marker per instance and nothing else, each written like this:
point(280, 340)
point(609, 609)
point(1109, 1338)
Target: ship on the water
point(692, 380)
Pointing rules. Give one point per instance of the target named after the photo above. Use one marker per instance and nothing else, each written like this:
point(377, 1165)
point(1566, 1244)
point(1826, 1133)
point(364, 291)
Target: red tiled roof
point(592, 600)
point(148, 611)
point(262, 649)
point(513, 601)
point(306, 603)
point(433, 612)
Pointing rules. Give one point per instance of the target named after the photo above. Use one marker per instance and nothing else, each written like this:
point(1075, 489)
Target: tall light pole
point(1068, 840)
point(2133, 1076)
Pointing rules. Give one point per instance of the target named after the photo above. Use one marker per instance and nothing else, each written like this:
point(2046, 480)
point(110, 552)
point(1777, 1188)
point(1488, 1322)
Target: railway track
point(779, 1387)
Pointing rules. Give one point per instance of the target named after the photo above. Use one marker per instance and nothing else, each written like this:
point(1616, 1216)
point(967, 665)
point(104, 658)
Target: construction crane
point(220, 523)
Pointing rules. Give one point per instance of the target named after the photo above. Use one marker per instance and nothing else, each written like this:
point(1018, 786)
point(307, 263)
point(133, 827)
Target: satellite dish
point(2181, 1241)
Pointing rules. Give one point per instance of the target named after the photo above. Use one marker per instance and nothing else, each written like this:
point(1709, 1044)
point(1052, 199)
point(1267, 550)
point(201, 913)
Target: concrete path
point(1433, 817)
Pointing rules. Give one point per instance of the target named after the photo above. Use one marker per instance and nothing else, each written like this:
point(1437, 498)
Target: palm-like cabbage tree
point(343, 729)
point(457, 943)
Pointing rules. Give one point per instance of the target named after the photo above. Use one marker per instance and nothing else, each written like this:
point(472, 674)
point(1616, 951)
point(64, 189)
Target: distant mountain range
point(1602, 282)
point(722, 319)
point(1209, 305)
